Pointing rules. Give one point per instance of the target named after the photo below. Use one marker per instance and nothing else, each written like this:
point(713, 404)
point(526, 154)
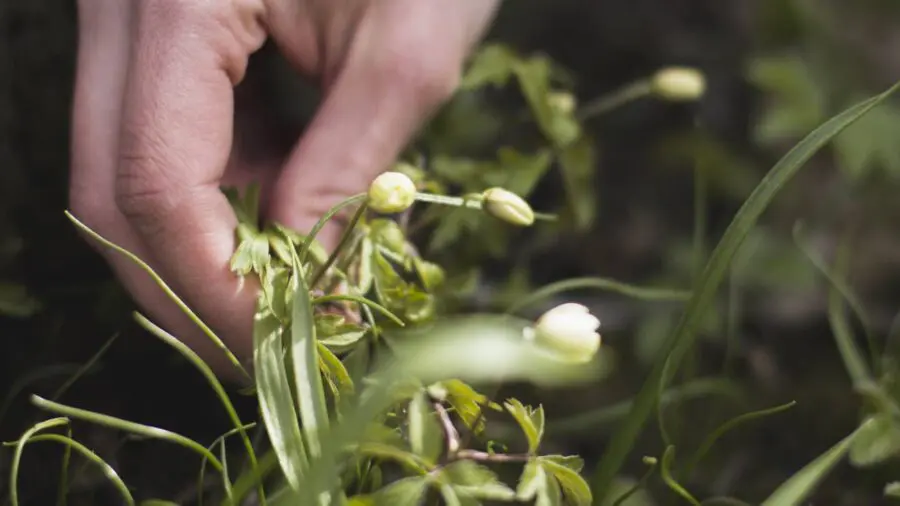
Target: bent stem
point(165, 287)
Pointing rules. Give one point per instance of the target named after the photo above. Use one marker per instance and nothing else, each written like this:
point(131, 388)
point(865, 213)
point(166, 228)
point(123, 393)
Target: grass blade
point(85, 452)
point(710, 440)
point(610, 285)
point(683, 336)
point(165, 287)
point(276, 402)
point(36, 375)
point(307, 378)
point(213, 382)
point(220, 441)
point(126, 426)
point(592, 420)
point(84, 368)
point(799, 486)
point(20, 447)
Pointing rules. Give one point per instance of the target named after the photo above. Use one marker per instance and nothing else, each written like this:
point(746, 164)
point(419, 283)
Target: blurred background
point(661, 181)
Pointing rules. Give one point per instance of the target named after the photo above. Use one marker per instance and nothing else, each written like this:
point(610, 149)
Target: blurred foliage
point(642, 194)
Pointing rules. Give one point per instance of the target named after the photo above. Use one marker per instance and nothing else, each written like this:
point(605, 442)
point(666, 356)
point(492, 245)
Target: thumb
point(374, 105)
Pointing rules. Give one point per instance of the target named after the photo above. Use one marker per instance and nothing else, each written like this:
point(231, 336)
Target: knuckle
point(430, 80)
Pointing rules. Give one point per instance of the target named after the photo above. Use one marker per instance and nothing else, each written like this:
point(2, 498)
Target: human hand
point(152, 133)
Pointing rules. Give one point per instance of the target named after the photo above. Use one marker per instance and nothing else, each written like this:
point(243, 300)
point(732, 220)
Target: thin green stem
point(360, 300)
point(214, 383)
point(307, 242)
point(345, 239)
point(614, 100)
point(168, 291)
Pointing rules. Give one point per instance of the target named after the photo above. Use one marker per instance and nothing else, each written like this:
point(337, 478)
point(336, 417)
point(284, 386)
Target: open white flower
point(392, 192)
point(568, 330)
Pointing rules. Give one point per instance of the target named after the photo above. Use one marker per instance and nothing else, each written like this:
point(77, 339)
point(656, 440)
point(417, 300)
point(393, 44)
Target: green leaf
point(386, 451)
point(578, 162)
point(404, 492)
point(16, 301)
point(275, 400)
point(575, 489)
point(534, 80)
point(465, 401)
point(869, 145)
point(472, 480)
point(492, 65)
point(683, 335)
point(572, 462)
point(425, 434)
point(454, 497)
point(307, 379)
point(798, 487)
point(531, 421)
point(876, 442)
point(799, 101)
point(521, 172)
point(335, 372)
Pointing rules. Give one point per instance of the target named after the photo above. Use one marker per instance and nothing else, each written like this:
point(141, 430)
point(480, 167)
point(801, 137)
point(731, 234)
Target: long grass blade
point(798, 487)
point(85, 452)
point(165, 287)
point(213, 382)
point(682, 337)
point(609, 285)
point(20, 447)
point(307, 378)
point(276, 402)
point(126, 426)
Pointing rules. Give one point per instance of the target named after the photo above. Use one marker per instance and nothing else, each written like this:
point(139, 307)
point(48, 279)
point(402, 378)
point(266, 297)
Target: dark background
point(775, 70)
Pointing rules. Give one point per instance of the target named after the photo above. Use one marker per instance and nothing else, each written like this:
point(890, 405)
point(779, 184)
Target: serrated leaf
point(466, 402)
point(876, 442)
point(531, 421)
point(477, 481)
point(454, 497)
point(575, 489)
point(425, 434)
point(404, 492)
point(572, 462)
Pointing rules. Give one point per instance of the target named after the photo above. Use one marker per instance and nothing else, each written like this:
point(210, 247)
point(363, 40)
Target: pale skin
point(153, 129)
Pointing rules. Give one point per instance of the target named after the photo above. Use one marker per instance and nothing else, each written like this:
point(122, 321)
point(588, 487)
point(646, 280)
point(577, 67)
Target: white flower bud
point(679, 83)
point(507, 206)
point(391, 192)
point(568, 330)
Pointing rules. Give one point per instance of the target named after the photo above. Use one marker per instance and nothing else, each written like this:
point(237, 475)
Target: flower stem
point(606, 103)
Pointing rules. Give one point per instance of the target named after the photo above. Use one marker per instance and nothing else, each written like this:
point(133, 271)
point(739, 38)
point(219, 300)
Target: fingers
point(402, 62)
point(147, 170)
